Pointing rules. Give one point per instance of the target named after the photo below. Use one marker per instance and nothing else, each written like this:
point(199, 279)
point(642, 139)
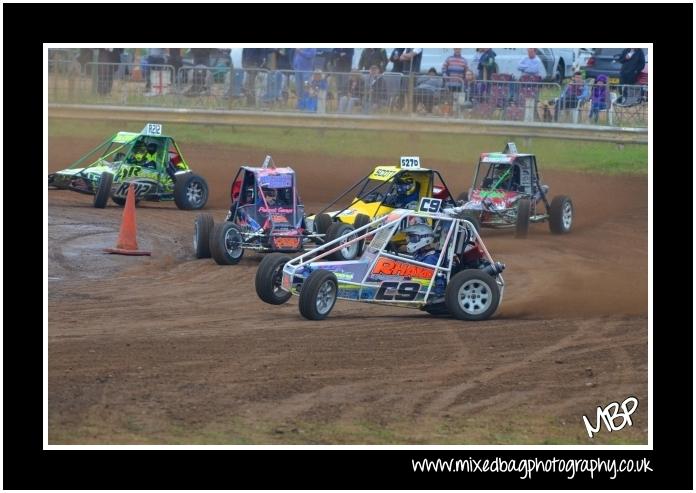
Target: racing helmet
point(139, 148)
point(152, 147)
point(419, 237)
point(270, 194)
point(405, 185)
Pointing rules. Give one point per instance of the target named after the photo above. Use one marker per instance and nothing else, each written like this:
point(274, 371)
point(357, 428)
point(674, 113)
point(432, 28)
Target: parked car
point(602, 62)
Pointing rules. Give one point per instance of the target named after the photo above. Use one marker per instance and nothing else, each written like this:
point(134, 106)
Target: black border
point(27, 26)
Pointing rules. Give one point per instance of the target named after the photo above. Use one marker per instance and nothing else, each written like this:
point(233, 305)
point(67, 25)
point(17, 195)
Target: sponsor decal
point(286, 242)
point(277, 218)
point(274, 210)
point(383, 173)
point(390, 267)
point(493, 194)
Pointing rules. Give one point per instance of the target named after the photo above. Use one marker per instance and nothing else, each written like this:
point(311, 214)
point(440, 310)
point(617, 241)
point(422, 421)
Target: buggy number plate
point(154, 129)
point(140, 189)
point(394, 291)
point(286, 242)
point(428, 204)
point(410, 162)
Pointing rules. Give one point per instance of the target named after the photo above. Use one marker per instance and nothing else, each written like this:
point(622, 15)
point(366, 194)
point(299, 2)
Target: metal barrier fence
point(201, 87)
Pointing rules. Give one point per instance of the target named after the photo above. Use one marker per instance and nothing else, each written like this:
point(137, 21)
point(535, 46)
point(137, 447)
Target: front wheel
point(203, 226)
point(269, 276)
point(121, 201)
point(190, 192)
point(522, 222)
point(226, 244)
point(101, 197)
point(472, 295)
point(561, 215)
point(318, 295)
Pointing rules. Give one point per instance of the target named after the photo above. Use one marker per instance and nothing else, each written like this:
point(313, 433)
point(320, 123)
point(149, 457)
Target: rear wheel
point(472, 295)
point(318, 295)
point(226, 244)
point(101, 197)
point(322, 223)
point(190, 192)
point(473, 218)
point(522, 221)
point(337, 230)
point(269, 276)
point(561, 215)
point(203, 226)
point(360, 221)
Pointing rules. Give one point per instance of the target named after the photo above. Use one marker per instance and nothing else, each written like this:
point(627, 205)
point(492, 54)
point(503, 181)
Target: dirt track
point(170, 349)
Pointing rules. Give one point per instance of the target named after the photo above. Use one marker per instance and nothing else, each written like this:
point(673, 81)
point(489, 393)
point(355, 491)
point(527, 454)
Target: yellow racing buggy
point(384, 190)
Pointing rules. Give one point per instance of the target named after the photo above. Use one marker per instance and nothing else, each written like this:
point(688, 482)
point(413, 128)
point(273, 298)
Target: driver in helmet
point(150, 159)
point(405, 193)
point(271, 196)
point(138, 154)
point(422, 245)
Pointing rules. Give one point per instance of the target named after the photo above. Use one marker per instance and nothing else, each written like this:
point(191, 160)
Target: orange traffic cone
point(127, 242)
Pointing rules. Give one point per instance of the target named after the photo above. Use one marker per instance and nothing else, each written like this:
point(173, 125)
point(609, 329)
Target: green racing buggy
point(152, 162)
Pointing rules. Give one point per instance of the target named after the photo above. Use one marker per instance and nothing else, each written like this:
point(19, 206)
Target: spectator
point(314, 94)
point(573, 95)
point(375, 91)
point(530, 65)
point(252, 60)
point(108, 59)
point(302, 64)
point(201, 60)
point(175, 61)
point(600, 97)
point(397, 62)
point(155, 56)
point(354, 93)
point(373, 56)
point(342, 62)
point(486, 65)
point(632, 62)
point(277, 59)
point(427, 88)
point(472, 88)
point(411, 60)
point(323, 58)
point(453, 69)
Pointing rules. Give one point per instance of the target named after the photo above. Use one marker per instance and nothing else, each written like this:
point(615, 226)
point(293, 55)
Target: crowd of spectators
point(306, 78)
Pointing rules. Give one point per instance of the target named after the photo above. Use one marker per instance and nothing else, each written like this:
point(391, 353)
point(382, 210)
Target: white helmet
point(419, 236)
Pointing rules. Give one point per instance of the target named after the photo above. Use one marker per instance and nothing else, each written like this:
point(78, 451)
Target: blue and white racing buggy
point(465, 283)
